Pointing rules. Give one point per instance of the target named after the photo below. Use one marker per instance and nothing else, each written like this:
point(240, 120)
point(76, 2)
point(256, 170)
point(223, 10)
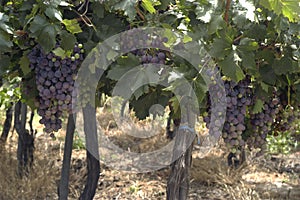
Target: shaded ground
point(266, 177)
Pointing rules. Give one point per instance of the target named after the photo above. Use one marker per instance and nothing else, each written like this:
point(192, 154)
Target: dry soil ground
point(265, 177)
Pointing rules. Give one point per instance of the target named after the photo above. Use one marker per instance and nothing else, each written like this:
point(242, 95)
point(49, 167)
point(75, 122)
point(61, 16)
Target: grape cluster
point(55, 82)
point(214, 117)
point(285, 119)
point(244, 125)
point(238, 98)
point(261, 124)
point(134, 38)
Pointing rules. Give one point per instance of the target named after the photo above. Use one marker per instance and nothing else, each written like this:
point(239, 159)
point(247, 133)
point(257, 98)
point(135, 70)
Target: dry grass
point(39, 184)
point(211, 179)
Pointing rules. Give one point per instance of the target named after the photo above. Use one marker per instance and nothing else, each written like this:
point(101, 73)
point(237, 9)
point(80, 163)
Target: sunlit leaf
point(289, 8)
point(72, 25)
point(148, 5)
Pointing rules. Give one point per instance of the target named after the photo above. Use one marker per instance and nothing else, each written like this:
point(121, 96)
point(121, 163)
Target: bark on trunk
point(92, 150)
point(7, 124)
point(63, 189)
point(25, 140)
point(178, 183)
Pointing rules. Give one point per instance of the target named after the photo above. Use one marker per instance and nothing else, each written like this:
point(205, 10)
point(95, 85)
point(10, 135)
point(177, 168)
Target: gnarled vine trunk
point(63, 189)
point(7, 123)
point(179, 179)
point(92, 150)
point(25, 140)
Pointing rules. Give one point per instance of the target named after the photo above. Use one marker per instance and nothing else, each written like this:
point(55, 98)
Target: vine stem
point(139, 12)
point(227, 10)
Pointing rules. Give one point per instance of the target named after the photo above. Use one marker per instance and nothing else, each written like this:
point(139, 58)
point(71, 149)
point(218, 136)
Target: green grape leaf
point(24, 65)
point(111, 55)
point(4, 64)
point(59, 52)
point(38, 24)
point(245, 50)
point(200, 88)
point(256, 31)
point(231, 69)
point(142, 105)
point(176, 106)
point(149, 6)
point(268, 75)
point(151, 73)
point(289, 8)
point(164, 4)
point(47, 38)
point(258, 106)
point(44, 32)
point(53, 13)
point(283, 66)
point(187, 39)
point(220, 48)
point(3, 20)
point(98, 10)
point(248, 60)
point(5, 42)
point(68, 40)
point(217, 22)
point(72, 25)
point(264, 86)
point(128, 7)
point(122, 66)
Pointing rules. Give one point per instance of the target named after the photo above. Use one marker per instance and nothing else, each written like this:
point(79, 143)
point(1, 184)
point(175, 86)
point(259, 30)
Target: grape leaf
point(128, 6)
point(289, 8)
point(59, 52)
point(148, 5)
point(68, 40)
point(3, 19)
point(122, 66)
point(283, 66)
point(217, 22)
point(231, 69)
point(5, 43)
point(245, 50)
point(220, 48)
point(4, 64)
point(24, 64)
point(267, 74)
point(44, 32)
point(47, 38)
point(72, 25)
point(142, 105)
point(111, 55)
point(258, 106)
point(164, 4)
point(53, 13)
point(38, 24)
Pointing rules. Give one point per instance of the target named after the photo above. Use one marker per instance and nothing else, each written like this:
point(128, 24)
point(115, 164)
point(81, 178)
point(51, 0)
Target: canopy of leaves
point(259, 38)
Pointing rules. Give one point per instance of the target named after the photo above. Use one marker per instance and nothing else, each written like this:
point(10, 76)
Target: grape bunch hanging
point(238, 97)
point(55, 78)
point(243, 124)
point(134, 38)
